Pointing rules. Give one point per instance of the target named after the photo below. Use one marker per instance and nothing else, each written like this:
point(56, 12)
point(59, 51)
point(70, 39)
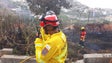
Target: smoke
point(18, 7)
point(4, 3)
point(92, 46)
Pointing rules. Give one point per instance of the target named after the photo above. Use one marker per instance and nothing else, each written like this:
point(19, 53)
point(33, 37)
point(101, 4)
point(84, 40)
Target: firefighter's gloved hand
point(38, 35)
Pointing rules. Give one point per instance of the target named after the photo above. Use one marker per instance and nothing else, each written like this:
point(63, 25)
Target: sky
point(97, 3)
point(19, 0)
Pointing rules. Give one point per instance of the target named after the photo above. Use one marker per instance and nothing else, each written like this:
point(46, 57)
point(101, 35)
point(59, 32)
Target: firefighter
point(51, 45)
point(82, 36)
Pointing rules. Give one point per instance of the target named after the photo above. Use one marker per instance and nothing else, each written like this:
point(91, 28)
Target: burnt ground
point(94, 40)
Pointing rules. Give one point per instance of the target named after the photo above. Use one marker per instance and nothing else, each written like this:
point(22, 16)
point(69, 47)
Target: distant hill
point(80, 11)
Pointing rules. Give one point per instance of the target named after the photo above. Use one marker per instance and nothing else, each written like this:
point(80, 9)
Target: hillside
point(82, 12)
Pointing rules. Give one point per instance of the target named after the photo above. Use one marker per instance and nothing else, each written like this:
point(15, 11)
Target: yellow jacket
point(51, 50)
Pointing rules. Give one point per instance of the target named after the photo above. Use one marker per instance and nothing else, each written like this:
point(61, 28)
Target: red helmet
point(50, 20)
